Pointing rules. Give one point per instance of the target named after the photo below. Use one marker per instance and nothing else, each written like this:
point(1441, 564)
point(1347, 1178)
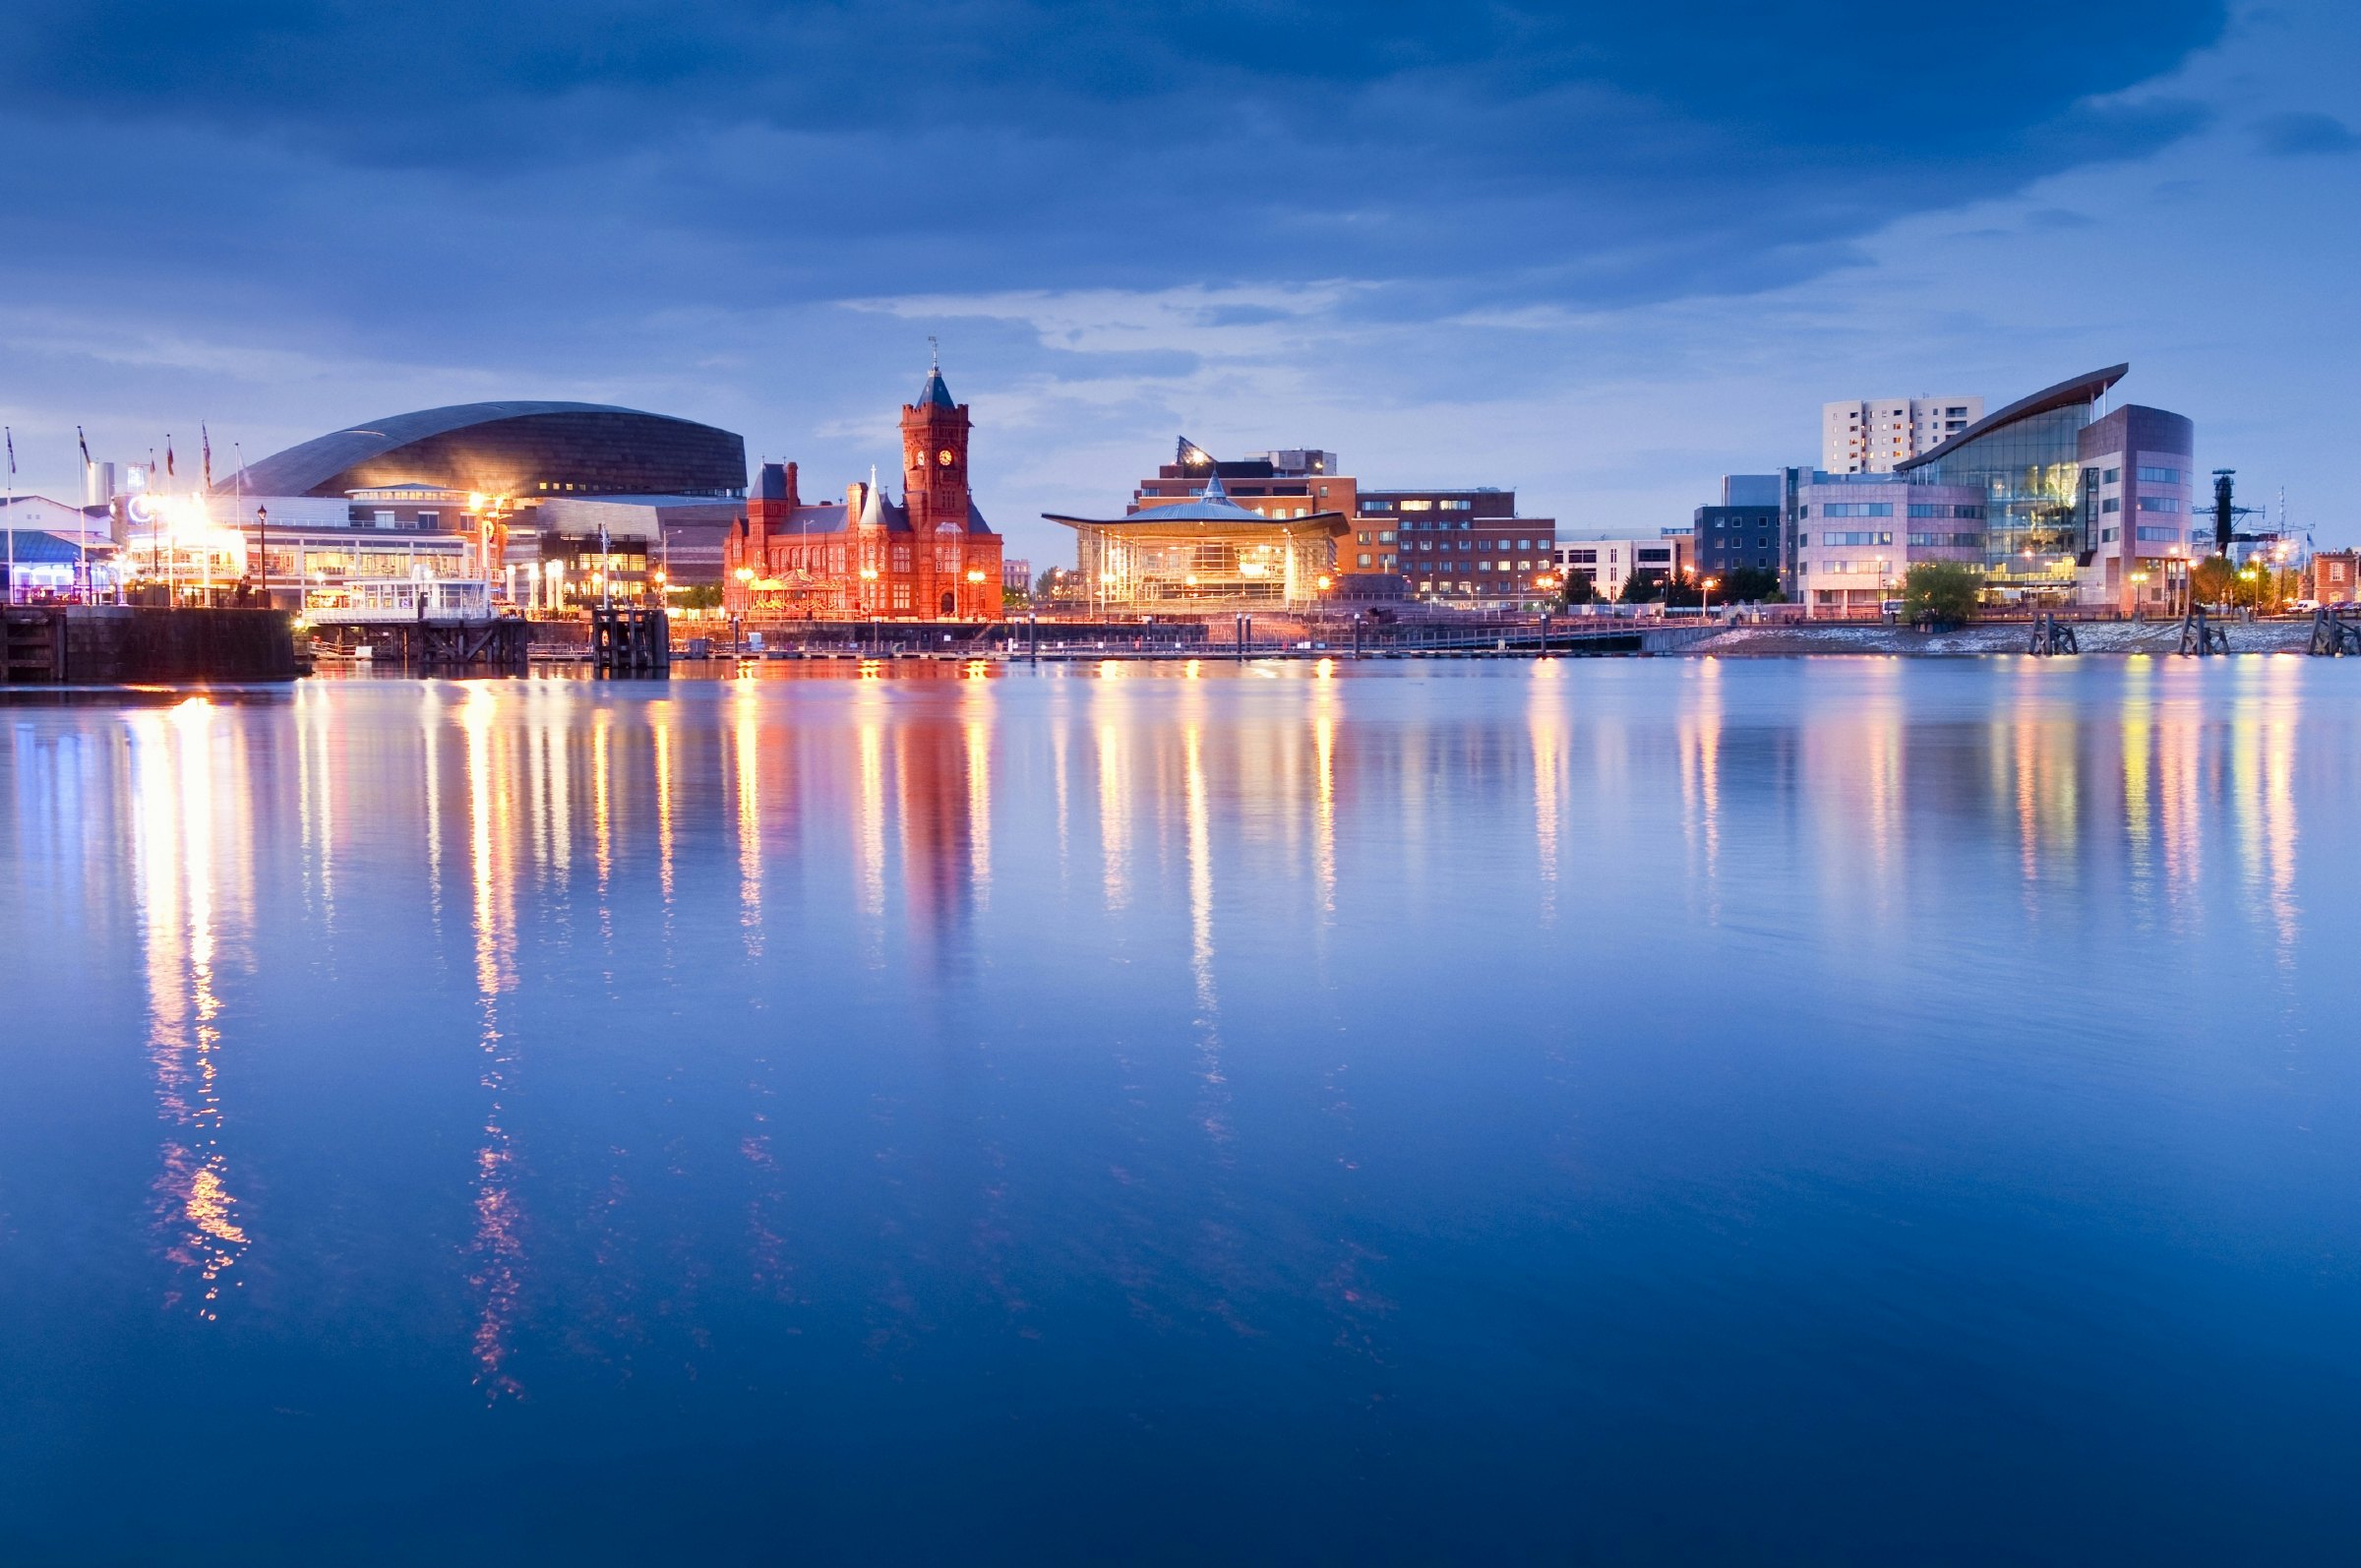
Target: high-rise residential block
point(1871, 437)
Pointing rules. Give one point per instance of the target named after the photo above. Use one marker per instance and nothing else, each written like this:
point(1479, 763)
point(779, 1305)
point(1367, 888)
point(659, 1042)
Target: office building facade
point(1458, 545)
point(1608, 560)
point(1857, 536)
point(1746, 528)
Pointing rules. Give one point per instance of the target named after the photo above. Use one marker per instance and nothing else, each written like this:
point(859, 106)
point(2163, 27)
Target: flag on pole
point(170, 470)
point(79, 440)
point(12, 453)
point(206, 436)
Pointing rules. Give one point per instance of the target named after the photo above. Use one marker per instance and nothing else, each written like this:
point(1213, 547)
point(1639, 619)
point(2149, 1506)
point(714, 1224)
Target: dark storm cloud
point(511, 162)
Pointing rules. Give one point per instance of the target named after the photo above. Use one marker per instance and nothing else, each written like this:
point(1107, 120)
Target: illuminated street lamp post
point(262, 528)
point(1706, 607)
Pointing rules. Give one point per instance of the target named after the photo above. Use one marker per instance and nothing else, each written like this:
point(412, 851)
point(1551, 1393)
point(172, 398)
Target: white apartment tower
point(1870, 438)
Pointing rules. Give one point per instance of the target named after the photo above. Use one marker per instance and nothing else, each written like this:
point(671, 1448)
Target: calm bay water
point(1846, 1111)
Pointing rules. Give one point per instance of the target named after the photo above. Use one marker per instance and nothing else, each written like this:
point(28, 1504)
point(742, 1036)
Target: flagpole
point(82, 553)
point(237, 485)
point(82, 535)
point(11, 525)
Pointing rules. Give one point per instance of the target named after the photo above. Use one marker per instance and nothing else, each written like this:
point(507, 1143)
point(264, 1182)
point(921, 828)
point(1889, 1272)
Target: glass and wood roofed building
point(1206, 553)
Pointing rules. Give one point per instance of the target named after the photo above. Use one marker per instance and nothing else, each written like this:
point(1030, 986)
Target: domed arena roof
point(514, 449)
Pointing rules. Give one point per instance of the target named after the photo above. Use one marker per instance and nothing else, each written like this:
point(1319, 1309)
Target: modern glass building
point(2026, 461)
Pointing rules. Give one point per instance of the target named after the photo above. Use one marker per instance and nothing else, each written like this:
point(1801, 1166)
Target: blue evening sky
point(1602, 254)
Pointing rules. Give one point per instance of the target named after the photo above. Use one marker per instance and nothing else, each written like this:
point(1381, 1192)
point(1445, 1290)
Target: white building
point(1609, 560)
point(1870, 438)
point(1857, 536)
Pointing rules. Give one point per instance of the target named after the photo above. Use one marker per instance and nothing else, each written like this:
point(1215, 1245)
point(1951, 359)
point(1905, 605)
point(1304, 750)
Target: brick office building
point(931, 557)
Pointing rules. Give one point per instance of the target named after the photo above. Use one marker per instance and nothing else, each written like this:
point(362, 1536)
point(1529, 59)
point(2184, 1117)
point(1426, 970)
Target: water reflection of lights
point(976, 729)
point(1701, 775)
point(746, 733)
point(1114, 795)
point(1545, 722)
point(1201, 929)
point(499, 1245)
point(181, 882)
point(1324, 701)
point(869, 822)
point(2261, 795)
point(317, 785)
point(659, 720)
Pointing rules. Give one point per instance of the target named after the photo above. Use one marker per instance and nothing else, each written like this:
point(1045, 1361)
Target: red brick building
point(931, 557)
point(2336, 577)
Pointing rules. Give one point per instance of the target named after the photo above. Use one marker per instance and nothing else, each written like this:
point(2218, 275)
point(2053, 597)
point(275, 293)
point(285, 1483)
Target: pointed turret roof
point(934, 395)
point(872, 504)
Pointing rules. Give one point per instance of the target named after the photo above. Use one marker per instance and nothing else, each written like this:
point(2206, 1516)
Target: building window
point(1365, 555)
point(2161, 477)
point(2160, 535)
point(2159, 502)
point(2110, 504)
point(901, 596)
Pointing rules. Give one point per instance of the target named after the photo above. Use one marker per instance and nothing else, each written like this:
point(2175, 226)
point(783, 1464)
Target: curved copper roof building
point(512, 449)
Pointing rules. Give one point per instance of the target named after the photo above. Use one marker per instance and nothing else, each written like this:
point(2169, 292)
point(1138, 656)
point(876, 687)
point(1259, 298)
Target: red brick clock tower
point(958, 560)
point(935, 458)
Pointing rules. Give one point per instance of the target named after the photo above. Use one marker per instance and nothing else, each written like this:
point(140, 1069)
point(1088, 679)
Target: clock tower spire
point(935, 458)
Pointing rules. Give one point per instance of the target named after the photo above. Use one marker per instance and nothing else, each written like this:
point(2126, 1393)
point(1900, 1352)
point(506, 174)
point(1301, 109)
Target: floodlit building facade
point(1208, 552)
point(478, 490)
point(930, 557)
point(2053, 501)
point(2078, 506)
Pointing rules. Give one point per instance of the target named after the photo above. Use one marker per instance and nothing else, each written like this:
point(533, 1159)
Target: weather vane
point(933, 353)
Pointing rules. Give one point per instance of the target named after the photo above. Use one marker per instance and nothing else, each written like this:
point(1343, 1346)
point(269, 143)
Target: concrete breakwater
point(2004, 636)
point(102, 644)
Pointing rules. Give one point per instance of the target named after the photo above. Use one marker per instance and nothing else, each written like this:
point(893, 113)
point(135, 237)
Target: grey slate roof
point(935, 394)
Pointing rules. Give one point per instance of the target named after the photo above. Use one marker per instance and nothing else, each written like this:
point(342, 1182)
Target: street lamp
point(262, 525)
point(1706, 608)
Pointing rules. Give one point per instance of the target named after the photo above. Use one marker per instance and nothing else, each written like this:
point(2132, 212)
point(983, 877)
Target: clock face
point(943, 456)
